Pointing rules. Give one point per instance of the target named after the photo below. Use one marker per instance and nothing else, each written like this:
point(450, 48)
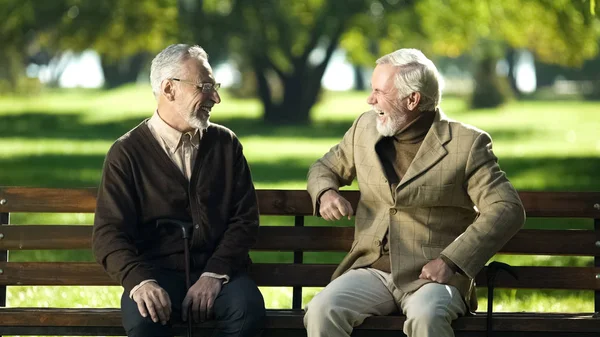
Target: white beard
point(197, 123)
point(391, 126)
point(188, 114)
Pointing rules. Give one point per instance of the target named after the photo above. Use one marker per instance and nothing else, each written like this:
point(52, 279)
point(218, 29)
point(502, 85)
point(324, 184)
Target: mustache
point(377, 110)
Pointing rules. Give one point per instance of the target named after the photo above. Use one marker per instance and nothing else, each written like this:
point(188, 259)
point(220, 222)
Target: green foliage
point(114, 28)
point(557, 31)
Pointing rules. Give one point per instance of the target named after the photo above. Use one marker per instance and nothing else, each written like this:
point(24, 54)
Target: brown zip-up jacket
point(140, 184)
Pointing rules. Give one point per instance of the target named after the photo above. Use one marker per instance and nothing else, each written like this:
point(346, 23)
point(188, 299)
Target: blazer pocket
point(440, 195)
point(432, 252)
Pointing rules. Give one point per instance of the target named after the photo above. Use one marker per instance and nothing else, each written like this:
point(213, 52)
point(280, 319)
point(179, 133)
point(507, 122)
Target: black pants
point(239, 309)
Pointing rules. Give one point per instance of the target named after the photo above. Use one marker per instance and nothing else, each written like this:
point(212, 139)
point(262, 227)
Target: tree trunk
point(294, 109)
point(123, 71)
point(490, 90)
point(511, 59)
point(359, 81)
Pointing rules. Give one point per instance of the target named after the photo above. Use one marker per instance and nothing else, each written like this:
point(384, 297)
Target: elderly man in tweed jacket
point(434, 207)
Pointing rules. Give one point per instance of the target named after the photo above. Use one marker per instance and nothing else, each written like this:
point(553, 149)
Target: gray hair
point(417, 73)
point(167, 64)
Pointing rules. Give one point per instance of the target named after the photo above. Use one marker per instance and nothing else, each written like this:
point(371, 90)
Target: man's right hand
point(153, 299)
point(333, 206)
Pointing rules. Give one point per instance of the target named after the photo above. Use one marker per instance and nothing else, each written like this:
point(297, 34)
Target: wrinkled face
point(192, 104)
point(392, 112)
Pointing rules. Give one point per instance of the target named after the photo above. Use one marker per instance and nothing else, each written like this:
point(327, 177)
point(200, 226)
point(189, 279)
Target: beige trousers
point(360, 293)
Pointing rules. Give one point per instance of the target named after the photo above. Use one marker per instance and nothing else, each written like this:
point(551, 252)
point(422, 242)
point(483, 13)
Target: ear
point(167, 89)
point(413, 100)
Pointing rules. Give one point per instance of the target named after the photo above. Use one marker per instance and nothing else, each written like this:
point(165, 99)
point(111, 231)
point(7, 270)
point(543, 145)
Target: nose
point(371, 99)
point(215, 97)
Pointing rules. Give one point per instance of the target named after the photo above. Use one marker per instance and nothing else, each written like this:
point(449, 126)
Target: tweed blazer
point(453, 200)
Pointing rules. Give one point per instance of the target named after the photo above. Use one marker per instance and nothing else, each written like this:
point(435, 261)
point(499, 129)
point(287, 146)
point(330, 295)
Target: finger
point(161, 310)
point(202, 310)
point(142, 308)
point(209, 308)
point(196, 309)
point(152, 311)
point(350, 211)
point(342, 208)
point(335, 213)
point(163, 297)
point(185, 305)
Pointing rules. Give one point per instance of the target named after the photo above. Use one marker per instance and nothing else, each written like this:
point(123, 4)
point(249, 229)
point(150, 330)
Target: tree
point(286, 44)
point(117, 29)
point(556, 31)
point(561, 32)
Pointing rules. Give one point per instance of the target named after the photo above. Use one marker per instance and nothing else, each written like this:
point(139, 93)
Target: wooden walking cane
point(184, 226)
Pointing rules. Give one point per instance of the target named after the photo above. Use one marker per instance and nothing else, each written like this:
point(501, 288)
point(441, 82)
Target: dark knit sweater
point(140, 184)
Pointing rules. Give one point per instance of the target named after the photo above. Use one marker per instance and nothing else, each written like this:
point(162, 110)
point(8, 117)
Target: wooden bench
point(297, 239)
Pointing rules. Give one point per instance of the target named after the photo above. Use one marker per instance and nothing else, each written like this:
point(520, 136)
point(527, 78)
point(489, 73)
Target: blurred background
point(74, 77)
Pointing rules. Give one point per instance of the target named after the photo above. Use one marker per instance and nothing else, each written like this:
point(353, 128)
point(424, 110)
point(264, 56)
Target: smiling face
point(393, 112)
point(191, 104)
point(182, 103)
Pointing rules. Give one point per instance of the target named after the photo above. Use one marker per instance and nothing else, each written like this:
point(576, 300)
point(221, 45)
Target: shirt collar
point(172, 137)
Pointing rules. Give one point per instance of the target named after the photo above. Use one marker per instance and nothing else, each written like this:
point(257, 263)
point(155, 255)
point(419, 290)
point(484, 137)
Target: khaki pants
point(358, 294)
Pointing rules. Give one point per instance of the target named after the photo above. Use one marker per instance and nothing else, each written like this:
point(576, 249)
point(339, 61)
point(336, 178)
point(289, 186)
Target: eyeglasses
point(206, 88)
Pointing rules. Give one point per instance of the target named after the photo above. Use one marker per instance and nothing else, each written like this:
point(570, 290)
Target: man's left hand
point(437, 271)
point(201, 297)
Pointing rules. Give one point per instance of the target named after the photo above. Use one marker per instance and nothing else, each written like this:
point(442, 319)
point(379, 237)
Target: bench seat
point(296, 240)
point(56, 321)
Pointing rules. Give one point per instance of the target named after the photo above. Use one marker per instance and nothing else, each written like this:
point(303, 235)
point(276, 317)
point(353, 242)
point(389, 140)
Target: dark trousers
point(239, 309)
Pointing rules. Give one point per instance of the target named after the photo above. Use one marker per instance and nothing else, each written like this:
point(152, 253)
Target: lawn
point(59, 139)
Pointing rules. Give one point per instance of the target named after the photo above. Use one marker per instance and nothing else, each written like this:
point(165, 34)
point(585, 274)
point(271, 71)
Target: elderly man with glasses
point(178, 166)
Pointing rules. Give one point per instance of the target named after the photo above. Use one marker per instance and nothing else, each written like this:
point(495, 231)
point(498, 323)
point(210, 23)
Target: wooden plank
point(561, 204)
point(39, 237)
point(290, 275)
point(292, 319)
point(553, 242)
point(284, 202)
point(33, 199)
point(288, 238)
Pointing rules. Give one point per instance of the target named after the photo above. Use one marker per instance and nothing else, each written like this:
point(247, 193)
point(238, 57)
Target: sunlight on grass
point(59, 139)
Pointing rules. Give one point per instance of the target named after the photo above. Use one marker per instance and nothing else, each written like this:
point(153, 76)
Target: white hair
point(417, 74)
point(167, 64)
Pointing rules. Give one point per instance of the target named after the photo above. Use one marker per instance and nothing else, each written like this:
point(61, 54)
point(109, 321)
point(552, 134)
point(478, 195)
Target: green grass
point(59, 139)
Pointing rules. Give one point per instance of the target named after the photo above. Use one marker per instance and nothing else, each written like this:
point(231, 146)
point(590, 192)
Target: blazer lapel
point(431, 151)
point(389, 194)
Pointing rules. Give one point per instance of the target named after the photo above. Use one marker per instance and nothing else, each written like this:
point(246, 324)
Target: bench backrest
point(297, 239)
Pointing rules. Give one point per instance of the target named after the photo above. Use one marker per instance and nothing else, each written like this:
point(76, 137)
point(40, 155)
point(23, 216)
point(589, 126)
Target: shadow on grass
point(52, 171)
point(555, 174)
point(39, 124)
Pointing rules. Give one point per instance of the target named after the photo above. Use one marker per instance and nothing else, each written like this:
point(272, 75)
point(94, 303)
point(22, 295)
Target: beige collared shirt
point(182, 148)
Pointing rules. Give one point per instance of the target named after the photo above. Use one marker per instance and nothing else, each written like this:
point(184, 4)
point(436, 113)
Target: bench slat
point(540, 242)
point(283, 202)
point(276, 274)
point(292, 320)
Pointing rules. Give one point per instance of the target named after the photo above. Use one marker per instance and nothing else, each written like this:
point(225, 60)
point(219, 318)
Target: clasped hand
point(334, 207)
point(437, 271)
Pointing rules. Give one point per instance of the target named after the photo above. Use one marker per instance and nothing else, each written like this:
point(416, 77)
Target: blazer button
point(378, 243)
point(197, 226)
point(393, 211)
